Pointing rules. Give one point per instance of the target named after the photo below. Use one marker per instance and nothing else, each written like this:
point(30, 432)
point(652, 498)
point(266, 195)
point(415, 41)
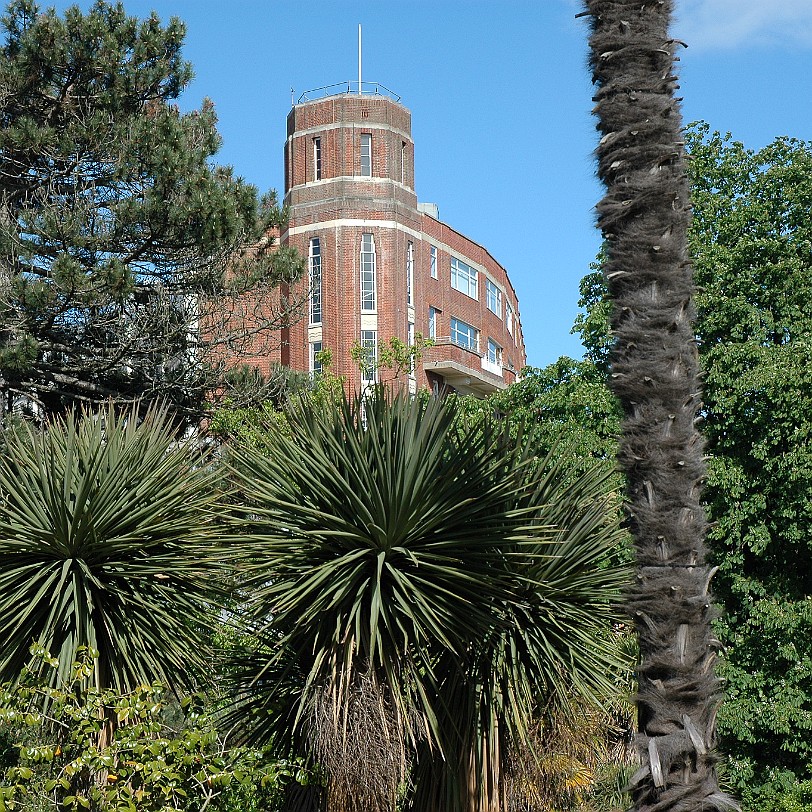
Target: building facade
point(383, 266)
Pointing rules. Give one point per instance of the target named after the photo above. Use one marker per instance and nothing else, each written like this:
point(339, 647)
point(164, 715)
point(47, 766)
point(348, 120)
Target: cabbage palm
point(405, 572)
point(108, 539)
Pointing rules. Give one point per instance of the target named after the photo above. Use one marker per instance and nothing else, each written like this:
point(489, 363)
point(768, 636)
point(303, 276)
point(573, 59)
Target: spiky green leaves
point(107, 539)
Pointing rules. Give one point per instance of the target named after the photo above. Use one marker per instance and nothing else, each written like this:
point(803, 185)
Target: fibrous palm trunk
point(655, 373)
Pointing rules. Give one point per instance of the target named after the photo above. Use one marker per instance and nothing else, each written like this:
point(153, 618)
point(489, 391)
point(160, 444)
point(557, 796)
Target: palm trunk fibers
point(644, 217)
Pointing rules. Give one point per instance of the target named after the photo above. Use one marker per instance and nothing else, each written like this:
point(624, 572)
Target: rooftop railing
point(348, 88)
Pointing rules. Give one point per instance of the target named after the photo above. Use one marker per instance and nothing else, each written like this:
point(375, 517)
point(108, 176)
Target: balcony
point(466, 369)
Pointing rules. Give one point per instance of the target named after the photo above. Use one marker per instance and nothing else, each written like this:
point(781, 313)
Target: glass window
point(403, 162)
point(494, 352)
point(369, 360)
point(315, 360)
point(464, 335)
point(368, 270)
point(509, 317)
point(410, 338)
point(410, 273)
point(315, 281)
point(433, 311)
point(463, 277)
point(366, 155)
point(494, 298)
point(317, 158)
point(433, 262)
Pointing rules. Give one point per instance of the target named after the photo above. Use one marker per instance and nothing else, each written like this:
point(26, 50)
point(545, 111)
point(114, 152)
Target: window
point(494, 298)
point(317, 159)
point(463, 277)
point(509, 317)
point(315, 281)
point(369, 359)
point(315, 359)
point(433, 261)
point(464, 335)
point(410, 340)
point(366, 155)
point(410, 273)
point(368, 302)
point(433, 311)
point(403, 162)
point(494, 353)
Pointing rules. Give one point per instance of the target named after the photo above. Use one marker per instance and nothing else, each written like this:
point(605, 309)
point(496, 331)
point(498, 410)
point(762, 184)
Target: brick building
point(382, 265)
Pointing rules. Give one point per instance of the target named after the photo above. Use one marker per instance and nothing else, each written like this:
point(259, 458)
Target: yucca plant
point(395, 565)
point(108, 539)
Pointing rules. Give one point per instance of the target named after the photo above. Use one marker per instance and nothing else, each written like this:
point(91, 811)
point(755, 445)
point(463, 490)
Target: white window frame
point(315, 279)
point(410, 341)
point(494, 297)
point(433, 261)
point(368, 274)
point(433, 312)
point(317, 158)
point(494, 353)
point(410, 273)
point(366, 155)
point(316, 367)
point(464, 278)
point(463, 334)
point(509, 317)
point(369, 343)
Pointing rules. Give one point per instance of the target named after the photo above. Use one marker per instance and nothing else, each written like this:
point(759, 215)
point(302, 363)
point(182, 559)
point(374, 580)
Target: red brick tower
point(381, 265)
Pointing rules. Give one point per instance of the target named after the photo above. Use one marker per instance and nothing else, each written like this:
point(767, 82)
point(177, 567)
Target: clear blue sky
point(500, 99)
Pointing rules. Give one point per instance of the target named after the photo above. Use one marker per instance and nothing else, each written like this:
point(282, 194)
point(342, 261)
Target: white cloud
point(719, 24)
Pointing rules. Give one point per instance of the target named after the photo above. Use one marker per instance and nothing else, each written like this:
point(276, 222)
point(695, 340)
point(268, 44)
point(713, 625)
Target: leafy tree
point(426, 583)
point(108, 538)
point(161, 757)
point(131, 265)
point(644, 217)
point(750, 241)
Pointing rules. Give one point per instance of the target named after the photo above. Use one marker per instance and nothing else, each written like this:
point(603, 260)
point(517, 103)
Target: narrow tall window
point(494, 353)
point(433, 311)
point(509, 317)
point(463, 277)
point(410, 338)
point(317, 159)
point(494, 298)
point(403, 162)
point(368, 298)
point(369, 360)
point(410, 273)
point(315, 281)
point(464, 335)
point(433, 261)
point(366, 155)
point(316, 367)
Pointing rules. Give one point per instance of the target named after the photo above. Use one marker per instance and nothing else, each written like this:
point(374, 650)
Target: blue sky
point(500, 99)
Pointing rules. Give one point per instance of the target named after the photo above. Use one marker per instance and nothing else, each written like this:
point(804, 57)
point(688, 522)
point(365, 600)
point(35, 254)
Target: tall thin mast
point(359, 59)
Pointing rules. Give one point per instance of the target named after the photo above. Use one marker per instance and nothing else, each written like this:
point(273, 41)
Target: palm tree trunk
point(655, 373)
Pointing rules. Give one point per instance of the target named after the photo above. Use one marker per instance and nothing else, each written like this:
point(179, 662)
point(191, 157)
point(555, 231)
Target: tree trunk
point(655, 373)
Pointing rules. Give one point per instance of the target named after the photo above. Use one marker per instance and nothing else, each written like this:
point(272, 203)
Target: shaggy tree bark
point(655, 374)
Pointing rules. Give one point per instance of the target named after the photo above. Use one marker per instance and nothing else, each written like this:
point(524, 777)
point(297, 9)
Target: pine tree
point(654, 372)
point(126, 256)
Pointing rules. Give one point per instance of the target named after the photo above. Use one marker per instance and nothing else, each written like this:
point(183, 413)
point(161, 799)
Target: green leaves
point(107, 539)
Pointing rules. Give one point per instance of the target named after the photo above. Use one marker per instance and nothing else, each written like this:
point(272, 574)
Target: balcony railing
point(348, 88)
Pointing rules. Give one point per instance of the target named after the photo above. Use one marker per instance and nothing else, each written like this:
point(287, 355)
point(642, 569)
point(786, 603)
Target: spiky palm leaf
point(107, 539)
point(547, 644)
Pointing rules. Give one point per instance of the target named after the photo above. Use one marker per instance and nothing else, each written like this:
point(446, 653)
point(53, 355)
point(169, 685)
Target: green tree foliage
point(163, 756)
point(108, 538)
point(126, 255)
point(750, 241)
point(424, 582)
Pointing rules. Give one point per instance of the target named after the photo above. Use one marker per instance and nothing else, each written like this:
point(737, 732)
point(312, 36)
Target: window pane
point(433, 262)
point(464, 334)
point(315, 281)
point(315, 361)
point(494, 298)
point(366, 156)
point(409, 273)
point(317, 158)
point(369, 361)
point(463, 277)
point(368, 272)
